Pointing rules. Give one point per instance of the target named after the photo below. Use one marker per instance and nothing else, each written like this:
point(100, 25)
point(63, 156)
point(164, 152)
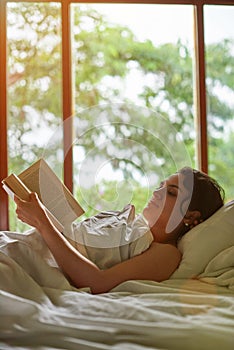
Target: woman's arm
point(157, 263)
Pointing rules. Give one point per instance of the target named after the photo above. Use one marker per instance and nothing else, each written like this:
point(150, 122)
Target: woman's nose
point(158, 193)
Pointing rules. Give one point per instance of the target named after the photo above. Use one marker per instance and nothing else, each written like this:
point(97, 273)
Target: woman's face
point(164, 211)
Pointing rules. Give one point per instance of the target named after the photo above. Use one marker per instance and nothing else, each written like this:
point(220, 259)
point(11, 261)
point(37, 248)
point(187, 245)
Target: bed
point(194, 309)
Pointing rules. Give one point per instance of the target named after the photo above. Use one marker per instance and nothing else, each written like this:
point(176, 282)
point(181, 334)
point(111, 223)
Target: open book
point(60, 204)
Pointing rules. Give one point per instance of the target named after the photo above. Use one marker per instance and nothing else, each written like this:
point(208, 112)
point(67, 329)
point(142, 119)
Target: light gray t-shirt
point(111, 237)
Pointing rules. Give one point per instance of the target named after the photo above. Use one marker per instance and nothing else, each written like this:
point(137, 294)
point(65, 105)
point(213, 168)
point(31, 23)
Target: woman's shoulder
point(167, 257)
point(166, 248)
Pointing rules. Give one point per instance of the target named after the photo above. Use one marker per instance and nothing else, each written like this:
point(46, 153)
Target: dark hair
point(207, 195)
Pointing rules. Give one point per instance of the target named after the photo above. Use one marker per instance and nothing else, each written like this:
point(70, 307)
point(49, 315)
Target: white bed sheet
point(39, 309)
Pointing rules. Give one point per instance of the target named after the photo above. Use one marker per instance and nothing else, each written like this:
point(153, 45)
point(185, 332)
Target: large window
point(117, 93)
point(219, 39)
point(128, 99)
point(34, 83)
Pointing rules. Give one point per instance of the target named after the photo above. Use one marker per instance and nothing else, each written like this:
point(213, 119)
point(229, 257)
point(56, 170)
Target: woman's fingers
point(26, 210)
point(20, 207)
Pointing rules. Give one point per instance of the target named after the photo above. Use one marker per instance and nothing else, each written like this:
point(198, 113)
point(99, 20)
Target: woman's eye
point(172, 192)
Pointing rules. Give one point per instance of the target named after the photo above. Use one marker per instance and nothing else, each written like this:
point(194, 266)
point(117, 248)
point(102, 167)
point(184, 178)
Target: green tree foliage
point(223, 163)
point(111, 195)
point(34, 84)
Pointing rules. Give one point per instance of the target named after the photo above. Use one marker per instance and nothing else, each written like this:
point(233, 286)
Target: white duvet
point(39, 309)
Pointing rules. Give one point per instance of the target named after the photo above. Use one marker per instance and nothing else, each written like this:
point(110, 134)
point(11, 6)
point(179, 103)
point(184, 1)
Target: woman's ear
point(192, 218)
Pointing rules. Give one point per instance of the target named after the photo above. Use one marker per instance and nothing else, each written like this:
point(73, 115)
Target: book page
point(8, 191)
point(52, 192)
point(13, 185)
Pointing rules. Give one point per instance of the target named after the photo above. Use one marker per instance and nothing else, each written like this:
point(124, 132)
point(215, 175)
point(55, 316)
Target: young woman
point(181, 202)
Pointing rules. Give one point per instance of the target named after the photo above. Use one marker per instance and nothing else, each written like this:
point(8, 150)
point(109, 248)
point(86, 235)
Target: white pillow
point(200, 245)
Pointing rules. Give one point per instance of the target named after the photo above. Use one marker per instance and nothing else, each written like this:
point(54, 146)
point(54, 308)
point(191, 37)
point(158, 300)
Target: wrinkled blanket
point(39, 309)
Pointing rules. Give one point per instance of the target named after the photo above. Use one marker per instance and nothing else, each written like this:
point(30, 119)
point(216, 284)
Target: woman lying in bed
point(181, 202)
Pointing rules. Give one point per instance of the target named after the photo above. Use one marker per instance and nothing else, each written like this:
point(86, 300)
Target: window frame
point(200, 86)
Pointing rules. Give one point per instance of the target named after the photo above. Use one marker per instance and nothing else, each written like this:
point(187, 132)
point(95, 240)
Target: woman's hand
point(32, 212)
